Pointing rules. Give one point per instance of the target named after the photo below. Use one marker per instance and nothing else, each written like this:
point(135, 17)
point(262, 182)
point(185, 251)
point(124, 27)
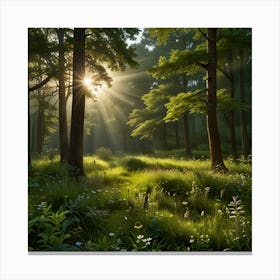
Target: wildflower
point(140, 236)
point(171, 215)
point(42, 205)
point(125, 218)
point(191, 240)
point(186, 215)
point(78, 244)
point(207, 189)
point(184, 202)
point(99, 190)
point(111, 234)
point(202, 213)
point(138, 225)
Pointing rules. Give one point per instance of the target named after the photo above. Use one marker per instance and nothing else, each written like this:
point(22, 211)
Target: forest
point(139, 139)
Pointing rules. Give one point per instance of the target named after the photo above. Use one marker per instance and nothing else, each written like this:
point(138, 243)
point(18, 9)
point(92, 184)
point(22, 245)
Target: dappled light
point(132, 148)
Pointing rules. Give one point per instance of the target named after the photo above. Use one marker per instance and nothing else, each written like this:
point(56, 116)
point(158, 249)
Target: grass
point(140, 203)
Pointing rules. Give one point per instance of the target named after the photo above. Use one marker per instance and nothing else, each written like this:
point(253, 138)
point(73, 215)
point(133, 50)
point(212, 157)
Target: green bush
point(49, 231)
point(134, 164)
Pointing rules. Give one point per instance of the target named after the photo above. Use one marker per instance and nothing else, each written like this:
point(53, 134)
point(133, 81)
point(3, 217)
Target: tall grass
point(141, 203)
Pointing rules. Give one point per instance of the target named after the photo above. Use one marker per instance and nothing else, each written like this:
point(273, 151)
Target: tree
point(148, 122)
point(243, 120)
point(41, 67)
point(63, 131)
point(225, 65)
point(191, 61)
point(78, 104)
point(103, 46)
point(211, 117)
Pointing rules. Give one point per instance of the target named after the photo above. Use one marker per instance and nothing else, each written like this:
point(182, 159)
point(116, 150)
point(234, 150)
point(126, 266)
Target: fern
point(236, 208)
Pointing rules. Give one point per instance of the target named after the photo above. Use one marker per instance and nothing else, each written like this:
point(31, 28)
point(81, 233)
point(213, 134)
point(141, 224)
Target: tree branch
point(203, 34)
point(225, 72)
point(202, 65)
point(45, 81)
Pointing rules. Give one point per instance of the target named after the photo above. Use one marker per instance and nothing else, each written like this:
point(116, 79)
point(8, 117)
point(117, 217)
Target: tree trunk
point(216, 158)
point(29, 131)
point(40, 125)
point(186, 123)
point(243, 120)
point(75, 158)
point(231, 113)
point(63, 133)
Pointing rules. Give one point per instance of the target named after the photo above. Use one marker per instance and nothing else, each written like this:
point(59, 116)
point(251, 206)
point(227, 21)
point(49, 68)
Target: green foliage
point(162, 34)
point(168, 204)
point(177, 105)
point(179, 62)
point(226, 102)
point(147, 121)
point(49, 230)
point(134, 164)
point(104, 153)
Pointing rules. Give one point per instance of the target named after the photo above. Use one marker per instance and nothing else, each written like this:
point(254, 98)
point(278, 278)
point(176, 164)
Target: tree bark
point(63, 133)
point(231, 113)
point(216, 158)
point(243, 120)
point(75, 158)
point(40, 124)
point(29, 131)
point(186, 124)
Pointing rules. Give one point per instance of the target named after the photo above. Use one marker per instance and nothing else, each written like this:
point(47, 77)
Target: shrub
point(134, 164)
point(104, 153)
point(50, 230)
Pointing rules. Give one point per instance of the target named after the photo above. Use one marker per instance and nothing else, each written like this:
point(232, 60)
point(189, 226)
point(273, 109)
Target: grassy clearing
point(140, 203)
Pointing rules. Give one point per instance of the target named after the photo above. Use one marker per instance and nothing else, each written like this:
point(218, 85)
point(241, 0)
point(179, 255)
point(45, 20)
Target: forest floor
point(139, 203)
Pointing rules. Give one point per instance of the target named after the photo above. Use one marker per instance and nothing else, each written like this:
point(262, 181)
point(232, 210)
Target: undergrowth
point(139, 203)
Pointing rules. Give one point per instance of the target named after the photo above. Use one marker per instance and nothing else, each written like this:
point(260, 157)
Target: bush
point(134, 164)
point(104, 153)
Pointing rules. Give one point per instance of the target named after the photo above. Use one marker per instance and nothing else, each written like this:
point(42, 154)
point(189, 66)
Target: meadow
point(160, 202)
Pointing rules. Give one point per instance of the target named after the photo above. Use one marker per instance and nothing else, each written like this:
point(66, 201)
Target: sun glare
point(87, 81)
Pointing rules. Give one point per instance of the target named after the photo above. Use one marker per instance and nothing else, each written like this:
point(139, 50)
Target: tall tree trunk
point(186, 124)
point(29, 131)
point(211, 118)
point(63, 133)
point(243, 120)
point(187, 135)
point(75, 158)
point(40, 124)
point(231, 113)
